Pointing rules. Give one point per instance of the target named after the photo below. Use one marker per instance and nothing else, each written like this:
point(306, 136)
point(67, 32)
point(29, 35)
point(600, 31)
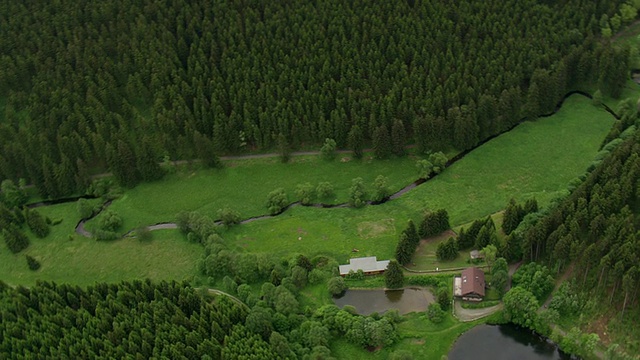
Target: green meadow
point(535, 160)
point(69, 258)
point(243, 185)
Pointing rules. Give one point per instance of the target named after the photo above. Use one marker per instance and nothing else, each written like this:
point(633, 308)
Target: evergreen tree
point(382, 143)
point(404, 250)
point(356, 141)
point(398, 138)
point(512, 217)
point(15, 239)
point(37, 223)
point(283, 148)
point(393, 276)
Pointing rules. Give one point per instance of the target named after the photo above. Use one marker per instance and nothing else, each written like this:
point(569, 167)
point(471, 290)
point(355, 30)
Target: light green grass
point(243, 185)
point(84, 261)
point(535, 160)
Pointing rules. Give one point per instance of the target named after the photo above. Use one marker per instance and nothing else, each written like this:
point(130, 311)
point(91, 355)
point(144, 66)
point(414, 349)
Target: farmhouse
point(469, 285)
point(369, 265)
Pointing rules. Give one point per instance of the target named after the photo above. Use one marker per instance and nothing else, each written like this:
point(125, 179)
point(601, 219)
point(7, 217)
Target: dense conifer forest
point(118, 86)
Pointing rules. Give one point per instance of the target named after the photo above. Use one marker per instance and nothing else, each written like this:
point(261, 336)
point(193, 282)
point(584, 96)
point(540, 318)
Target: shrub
point(328, 150)
point(33, 263)
point(37, 223)
point(324, 190)
point(277, 200)
point(336, 286)
point(435, 313)
point(305, 193)
point(110, 221)
point(229, 216)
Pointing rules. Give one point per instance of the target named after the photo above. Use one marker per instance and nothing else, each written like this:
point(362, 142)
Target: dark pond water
point(504, 342)
point(370, 301)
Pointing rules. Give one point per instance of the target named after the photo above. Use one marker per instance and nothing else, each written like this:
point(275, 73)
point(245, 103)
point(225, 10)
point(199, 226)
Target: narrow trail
point(567, 273)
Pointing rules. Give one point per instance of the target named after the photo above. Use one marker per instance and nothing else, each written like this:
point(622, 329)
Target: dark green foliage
point(277, 200)
point(381, 188)
point(535, 278)
point(32, 263)
point(196, 226)
point(357, 193)
point(499, 281)
point(303, 262)
point(12, 196)
point(531, 206)
point(434, 223)
point(284, 149)
point(86, 208)
point(425, 168)
point(512, 217)
point(520, 307)
point(447, 250)
point(205, 151)
point(356, 141)
point(435, 313)
point(305, 193)
point(229, 216)
point(15, 239)
point(382, 147)
point(485, 237)
point(336, 286)
point(404, 249)
point(393, 276)
point(398, 138)
point(324, 190)
point(439, 161)
point(171, 85)
point(443, 297)
point(328, 150)
point(37, 223)
point(110, 221)
point(171, 319)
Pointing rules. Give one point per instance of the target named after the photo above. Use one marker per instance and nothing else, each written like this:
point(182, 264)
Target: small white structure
point(369, 265)
point(457, 286)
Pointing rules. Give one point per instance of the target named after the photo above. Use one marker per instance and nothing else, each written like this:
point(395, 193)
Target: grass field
point(418, 336)
point(535, 160)
point(243, 185)
point(84, 261)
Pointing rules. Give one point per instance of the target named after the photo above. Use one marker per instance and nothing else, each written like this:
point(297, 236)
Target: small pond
point(377, 300)
point(504, 342)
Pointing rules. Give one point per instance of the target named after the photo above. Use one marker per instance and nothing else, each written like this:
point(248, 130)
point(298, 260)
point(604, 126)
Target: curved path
point(167, 225)
point(465, 315)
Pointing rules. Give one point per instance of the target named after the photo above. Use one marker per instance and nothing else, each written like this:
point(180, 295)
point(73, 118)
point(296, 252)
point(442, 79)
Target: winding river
point(80, 228)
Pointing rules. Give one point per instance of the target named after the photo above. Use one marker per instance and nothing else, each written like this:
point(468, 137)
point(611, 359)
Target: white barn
point(369, 265)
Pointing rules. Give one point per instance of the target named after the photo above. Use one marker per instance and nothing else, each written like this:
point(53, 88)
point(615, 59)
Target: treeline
point(121, 86)
point(595, 230)
point(16, 218)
